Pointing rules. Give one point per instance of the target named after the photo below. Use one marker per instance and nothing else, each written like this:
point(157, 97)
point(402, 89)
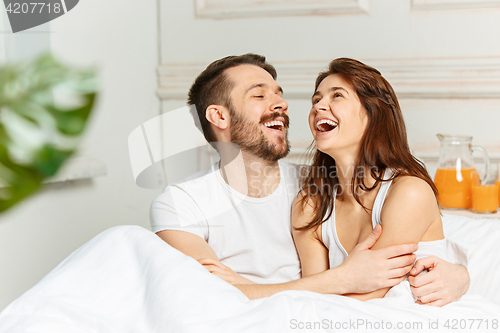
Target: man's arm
point(188, 243)
point(197, 248)
point(365, 270)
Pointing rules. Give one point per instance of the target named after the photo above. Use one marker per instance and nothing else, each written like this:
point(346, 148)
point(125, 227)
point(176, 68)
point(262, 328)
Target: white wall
point(120, 38)
point(441, 56)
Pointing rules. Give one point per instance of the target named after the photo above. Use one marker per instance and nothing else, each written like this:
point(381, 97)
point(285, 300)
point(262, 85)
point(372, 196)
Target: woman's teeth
point(325, 125)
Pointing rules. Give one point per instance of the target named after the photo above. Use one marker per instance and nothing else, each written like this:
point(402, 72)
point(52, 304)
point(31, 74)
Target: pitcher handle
point(485, 157)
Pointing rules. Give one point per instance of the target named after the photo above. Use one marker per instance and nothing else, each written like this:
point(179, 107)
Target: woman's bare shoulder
point(411, 206)
point(303, 210)
point(410, 187)
point(410, 197)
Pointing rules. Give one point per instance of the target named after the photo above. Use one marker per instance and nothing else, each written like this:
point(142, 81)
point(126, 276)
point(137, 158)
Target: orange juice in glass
point(497, 182)
point(485, 192)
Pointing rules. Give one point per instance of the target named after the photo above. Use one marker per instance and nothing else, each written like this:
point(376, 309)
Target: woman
point(363, 174)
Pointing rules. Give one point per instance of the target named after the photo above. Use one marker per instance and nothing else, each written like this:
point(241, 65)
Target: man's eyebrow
point(263, 85)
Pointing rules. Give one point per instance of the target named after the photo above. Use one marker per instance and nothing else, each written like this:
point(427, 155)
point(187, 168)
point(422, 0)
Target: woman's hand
point(225, 273)
point(373, 270)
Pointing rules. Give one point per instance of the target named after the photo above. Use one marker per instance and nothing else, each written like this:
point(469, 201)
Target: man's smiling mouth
point(275, 124)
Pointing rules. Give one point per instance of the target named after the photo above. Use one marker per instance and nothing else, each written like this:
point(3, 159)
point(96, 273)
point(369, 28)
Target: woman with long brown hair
point(362, 175)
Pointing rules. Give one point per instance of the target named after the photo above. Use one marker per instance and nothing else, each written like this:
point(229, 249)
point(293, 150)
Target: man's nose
point(280, 103)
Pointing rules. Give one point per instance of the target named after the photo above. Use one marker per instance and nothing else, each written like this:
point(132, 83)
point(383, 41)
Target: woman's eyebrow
point(332, 89)
point(338, 88)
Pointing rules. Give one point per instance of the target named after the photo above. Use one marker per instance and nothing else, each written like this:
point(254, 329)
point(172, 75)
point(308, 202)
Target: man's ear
point(218, 115)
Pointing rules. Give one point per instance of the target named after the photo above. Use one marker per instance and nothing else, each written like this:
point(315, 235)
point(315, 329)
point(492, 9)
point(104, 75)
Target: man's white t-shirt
point(252, 236)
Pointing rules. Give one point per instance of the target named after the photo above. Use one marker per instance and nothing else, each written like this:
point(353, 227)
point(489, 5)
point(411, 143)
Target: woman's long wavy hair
point(383, 145)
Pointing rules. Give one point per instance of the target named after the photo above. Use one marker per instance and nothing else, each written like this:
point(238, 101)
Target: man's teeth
point(274, 123)
point(329, 122)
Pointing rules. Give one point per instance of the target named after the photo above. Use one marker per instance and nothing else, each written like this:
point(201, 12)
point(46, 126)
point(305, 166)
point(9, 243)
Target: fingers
point(369, 241)
point(211, 268)
point(398, 250)
point(423, 290)
point(438, 303)
point(425, 263)
point(210, 261)
point(423, 279)
point(431, 299)
point(394, 282)
point(405, 261)
point(217, 271)
point(399, 272)
point(427, 290)
point(205, 261)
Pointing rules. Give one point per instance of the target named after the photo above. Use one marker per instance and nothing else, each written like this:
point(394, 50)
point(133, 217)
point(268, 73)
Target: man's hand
point(442, 284)
point(369, 270)
point(220, 270)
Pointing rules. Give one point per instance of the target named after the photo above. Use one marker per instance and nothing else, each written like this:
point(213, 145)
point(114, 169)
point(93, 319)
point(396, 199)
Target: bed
point(126, 279)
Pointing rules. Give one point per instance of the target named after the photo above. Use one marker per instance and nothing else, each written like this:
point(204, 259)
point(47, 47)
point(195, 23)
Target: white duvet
point(128, 280)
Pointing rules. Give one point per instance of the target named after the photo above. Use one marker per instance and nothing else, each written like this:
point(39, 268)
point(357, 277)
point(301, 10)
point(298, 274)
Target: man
point(235, 217)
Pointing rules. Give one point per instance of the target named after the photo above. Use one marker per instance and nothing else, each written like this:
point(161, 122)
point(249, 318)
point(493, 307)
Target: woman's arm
point(410, 212)
point(313, 254)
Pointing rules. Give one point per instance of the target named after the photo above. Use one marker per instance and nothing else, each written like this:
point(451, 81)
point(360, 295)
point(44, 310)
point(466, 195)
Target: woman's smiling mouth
point(325, 125)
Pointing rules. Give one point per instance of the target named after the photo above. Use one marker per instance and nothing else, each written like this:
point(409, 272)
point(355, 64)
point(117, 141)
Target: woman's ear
point(218, 115)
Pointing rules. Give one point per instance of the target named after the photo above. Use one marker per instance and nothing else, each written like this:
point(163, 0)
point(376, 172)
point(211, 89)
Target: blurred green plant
point(44, 107)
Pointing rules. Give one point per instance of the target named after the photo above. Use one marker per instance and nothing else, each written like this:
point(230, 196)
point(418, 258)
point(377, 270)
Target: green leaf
point(49, 159)
point(55, 101)
point(72, 122)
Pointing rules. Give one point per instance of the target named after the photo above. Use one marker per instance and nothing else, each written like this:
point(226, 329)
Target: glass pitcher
point(453, 175)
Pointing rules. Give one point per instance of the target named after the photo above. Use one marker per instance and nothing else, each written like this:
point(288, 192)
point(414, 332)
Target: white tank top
point(336, 252)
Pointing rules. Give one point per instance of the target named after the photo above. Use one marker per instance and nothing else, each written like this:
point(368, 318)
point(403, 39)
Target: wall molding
point(429, 156)
point(453, 4)
point(410, 78)
point(228, 9)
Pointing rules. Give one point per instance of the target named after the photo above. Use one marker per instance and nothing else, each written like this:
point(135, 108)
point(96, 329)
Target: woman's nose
point(321, 106)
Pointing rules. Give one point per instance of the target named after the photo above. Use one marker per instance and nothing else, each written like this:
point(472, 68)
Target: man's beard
point(250, 137)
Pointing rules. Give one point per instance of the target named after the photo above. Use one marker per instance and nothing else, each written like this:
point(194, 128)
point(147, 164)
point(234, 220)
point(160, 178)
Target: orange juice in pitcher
point(454, 188)
point(453, 175)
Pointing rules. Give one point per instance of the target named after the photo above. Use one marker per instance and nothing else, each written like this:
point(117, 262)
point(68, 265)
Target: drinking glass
point(485, 191)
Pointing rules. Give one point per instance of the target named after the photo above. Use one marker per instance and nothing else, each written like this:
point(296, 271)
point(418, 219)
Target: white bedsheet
point(128, 280)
